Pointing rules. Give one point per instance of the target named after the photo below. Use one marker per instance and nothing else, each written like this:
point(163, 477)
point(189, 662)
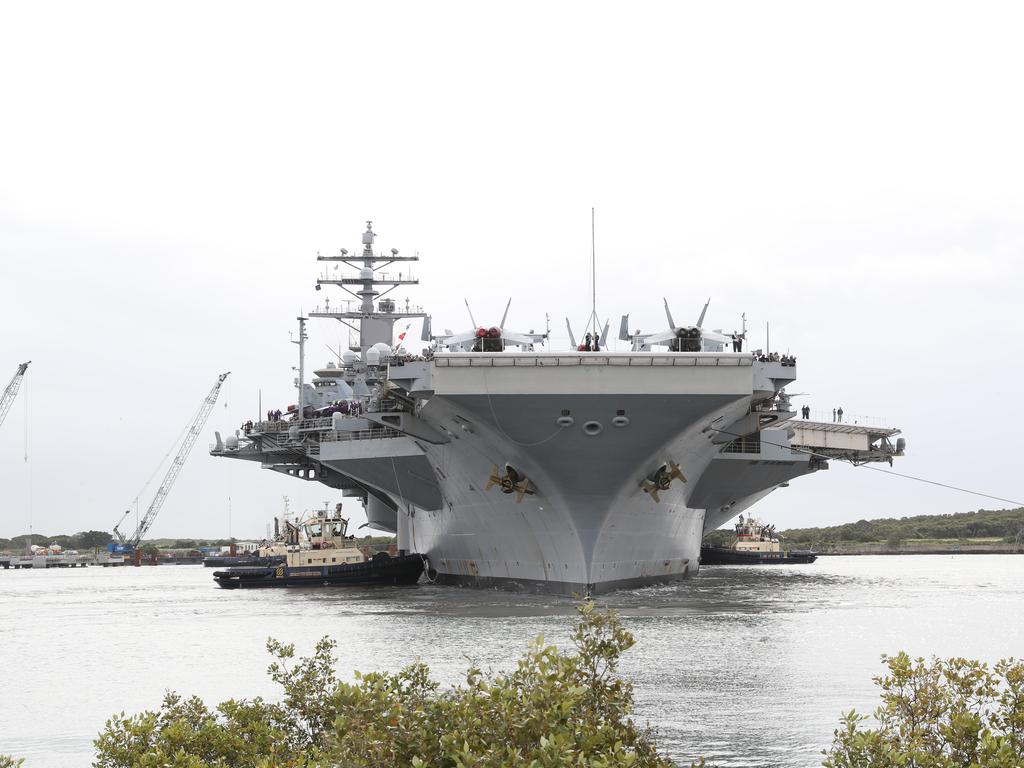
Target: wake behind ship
point(565, 472)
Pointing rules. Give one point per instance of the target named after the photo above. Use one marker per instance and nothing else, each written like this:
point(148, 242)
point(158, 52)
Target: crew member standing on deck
point(839, 413)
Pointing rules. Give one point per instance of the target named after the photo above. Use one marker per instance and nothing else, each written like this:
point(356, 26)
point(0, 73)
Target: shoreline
point(855, 551)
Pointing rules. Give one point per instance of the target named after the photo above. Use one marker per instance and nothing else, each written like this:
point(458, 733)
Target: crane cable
point(879, 469)
point(26, 414)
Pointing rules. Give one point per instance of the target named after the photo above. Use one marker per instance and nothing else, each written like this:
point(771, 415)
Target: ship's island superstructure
point(566, 472)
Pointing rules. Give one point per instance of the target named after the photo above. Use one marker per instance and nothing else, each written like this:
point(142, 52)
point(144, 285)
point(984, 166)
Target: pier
point(18, 562)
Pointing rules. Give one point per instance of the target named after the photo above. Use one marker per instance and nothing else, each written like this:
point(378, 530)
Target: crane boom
point(11, 391)
point(175, 468)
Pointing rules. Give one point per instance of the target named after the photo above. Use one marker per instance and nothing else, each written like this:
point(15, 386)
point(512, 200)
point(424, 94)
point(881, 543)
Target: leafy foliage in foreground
point(941, 714)
point(553, 709)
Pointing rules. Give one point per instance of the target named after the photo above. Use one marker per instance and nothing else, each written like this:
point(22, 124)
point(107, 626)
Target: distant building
point(242, 547)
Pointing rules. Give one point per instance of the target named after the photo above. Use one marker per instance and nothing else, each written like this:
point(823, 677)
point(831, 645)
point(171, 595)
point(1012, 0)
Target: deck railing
point(283, 425)
point(359, 434)
point(313, 448)
point(825, 416)
point(743, 445)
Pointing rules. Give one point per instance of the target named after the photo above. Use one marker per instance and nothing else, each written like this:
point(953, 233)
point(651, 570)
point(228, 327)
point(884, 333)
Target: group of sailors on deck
point(347, 407)
point(591, 343)
point(775, 357)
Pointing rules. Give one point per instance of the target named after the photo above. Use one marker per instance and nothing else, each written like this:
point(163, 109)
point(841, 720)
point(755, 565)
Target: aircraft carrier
point(567, 472)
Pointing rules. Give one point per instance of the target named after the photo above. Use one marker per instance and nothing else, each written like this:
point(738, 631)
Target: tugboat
point(270, 552)
point(755, 544)
point(328, 557)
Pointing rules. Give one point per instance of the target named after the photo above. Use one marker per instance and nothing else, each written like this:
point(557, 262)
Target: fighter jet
point(484, 339)
point(680, 338)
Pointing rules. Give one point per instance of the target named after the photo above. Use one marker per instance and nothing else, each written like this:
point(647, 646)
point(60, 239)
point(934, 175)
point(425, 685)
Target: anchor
point(661, 480)
point(510, 482)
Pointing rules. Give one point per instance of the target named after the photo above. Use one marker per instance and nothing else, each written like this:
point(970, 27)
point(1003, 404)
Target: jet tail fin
point(572, 339)
point(470, 314)
point(604, 333)
point(624, 328)
point(668, 314)
point(425, 333)
point(505, 316)
point(700, 320)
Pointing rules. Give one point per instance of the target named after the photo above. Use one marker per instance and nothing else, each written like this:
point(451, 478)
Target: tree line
point(1005, 524)
point(80, 540)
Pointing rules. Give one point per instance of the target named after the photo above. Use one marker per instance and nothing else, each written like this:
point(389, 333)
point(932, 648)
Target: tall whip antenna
point(593, 275)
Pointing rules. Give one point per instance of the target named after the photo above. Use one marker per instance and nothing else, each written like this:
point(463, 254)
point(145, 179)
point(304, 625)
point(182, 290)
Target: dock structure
point(18, 562)
point(42, 561)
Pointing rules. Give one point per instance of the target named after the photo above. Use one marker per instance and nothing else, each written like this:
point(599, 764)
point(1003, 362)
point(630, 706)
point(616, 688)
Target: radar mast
point(376, 324)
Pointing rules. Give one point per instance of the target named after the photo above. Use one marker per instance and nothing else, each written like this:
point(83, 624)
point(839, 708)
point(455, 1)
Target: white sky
point(851, 174)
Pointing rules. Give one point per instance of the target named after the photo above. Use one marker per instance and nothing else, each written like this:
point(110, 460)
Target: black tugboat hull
point(725, 556)
point(394, 570)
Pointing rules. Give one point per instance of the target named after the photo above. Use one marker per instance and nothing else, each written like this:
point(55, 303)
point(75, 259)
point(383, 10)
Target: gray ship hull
point(588, 525)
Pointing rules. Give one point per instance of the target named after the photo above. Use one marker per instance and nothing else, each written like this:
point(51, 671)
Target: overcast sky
point(850, 174)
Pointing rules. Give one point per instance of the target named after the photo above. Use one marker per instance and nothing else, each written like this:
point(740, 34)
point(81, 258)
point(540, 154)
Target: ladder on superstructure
point(7, 399)
point(175, 468)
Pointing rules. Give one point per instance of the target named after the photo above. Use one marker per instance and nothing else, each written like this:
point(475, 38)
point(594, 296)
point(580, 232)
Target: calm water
point(748, 666)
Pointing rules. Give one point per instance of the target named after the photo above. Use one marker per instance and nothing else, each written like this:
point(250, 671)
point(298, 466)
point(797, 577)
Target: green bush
point(945, 713)
point(553, 709)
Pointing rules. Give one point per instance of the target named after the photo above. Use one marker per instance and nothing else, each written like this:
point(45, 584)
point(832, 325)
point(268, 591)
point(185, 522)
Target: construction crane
point(12, 391)
point(128, 544)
